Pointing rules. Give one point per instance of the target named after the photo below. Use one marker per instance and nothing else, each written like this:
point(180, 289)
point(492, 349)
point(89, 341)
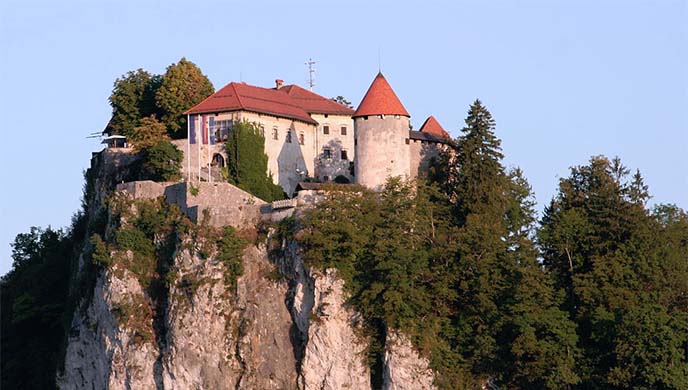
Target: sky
point(565, 80)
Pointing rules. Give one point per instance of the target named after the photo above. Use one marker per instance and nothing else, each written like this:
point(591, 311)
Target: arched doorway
point(218, 161)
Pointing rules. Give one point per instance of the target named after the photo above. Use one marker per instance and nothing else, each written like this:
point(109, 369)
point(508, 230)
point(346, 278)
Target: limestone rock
point(403, 368)
point(335, 357)
point(103, 354)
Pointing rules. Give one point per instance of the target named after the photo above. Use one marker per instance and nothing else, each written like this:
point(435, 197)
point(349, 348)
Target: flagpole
point(188, 148)
point(210, 178)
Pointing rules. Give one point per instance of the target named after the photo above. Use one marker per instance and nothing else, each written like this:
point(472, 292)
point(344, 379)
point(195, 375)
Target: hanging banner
point(192, 129)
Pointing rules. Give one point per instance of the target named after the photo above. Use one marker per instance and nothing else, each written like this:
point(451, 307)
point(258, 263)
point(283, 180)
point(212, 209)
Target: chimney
point(278, 83)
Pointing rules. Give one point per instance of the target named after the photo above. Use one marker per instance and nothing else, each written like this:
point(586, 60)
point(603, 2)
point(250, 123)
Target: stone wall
point(223, 203)
point(421, 154)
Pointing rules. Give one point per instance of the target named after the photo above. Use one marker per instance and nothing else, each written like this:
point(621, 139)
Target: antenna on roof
point(311, 73)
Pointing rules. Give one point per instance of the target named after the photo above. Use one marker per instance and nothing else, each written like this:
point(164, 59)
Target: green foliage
point(230, 248)
point(132, 98)
point(34, 309)
point(247, 162)
point(100, 254)
point(624, 273)
point(390, 248)
point(148, 133)
point(342, 100)
point(161, 162)
point(182, 86)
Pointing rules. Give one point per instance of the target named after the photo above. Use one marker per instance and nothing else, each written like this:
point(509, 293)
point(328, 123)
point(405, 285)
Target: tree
point(132, 98)
point(181, 87)
point(623, 271)
point(34, 306)
point(507, 324)
point(148, 133)
point(247, 163)
point(161, 162)
point(342, 100)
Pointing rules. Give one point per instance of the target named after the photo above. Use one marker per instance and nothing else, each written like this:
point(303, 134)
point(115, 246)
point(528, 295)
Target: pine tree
point(611, 258)
point(508, 327)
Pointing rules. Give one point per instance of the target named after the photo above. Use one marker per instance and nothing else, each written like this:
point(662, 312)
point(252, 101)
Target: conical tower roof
point(432, 126)
point(380, 100)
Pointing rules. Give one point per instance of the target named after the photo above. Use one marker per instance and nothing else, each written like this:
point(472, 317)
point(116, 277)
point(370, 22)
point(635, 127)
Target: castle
point(311, 136)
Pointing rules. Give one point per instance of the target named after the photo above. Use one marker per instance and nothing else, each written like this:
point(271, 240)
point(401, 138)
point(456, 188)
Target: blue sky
point(565, 80)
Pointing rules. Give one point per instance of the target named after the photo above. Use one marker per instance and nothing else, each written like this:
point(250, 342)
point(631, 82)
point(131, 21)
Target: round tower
point(381, 131)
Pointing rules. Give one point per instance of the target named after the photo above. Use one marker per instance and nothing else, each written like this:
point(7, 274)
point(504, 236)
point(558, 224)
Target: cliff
point(180, 316)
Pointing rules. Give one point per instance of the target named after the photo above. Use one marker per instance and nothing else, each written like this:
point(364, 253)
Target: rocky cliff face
point(282, 326)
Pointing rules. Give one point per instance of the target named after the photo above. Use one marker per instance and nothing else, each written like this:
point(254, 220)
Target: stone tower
point(381, 131)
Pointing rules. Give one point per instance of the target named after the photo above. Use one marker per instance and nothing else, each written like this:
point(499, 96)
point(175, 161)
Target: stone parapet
point(223, 203)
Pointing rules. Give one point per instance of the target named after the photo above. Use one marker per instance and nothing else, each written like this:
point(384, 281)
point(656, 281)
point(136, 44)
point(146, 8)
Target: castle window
point(343, 130)
point(365, 118)
point(407, 141)
point(221, 129)
point(326, 129)
point(326, 115)
point(302, 138)
point(275, 134)
point(326, 178)
point(262, 131)
point(344, 155)
point(327, 153)
point(288, 136)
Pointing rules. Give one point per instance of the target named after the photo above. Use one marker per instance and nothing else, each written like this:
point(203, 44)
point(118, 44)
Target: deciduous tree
point(182, 86)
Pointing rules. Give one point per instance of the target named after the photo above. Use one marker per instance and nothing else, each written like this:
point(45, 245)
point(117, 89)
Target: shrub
point(161, 162)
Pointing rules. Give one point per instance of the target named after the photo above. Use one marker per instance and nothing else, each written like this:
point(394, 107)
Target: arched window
point(288, 136)
point(275, 134)
point(302, 138)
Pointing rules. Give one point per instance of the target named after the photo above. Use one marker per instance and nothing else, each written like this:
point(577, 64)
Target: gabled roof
point(380, 100)
point(313, 103)
point(432, 126)
point(240, 96)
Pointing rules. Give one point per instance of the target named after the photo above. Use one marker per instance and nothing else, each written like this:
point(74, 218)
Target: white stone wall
point(288, 162)
point(381, 149)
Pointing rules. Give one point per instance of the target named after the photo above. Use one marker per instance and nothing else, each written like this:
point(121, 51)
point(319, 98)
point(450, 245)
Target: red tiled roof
point(240, 96)
point(380, 100)
point(313, 103)
point(432, 126)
